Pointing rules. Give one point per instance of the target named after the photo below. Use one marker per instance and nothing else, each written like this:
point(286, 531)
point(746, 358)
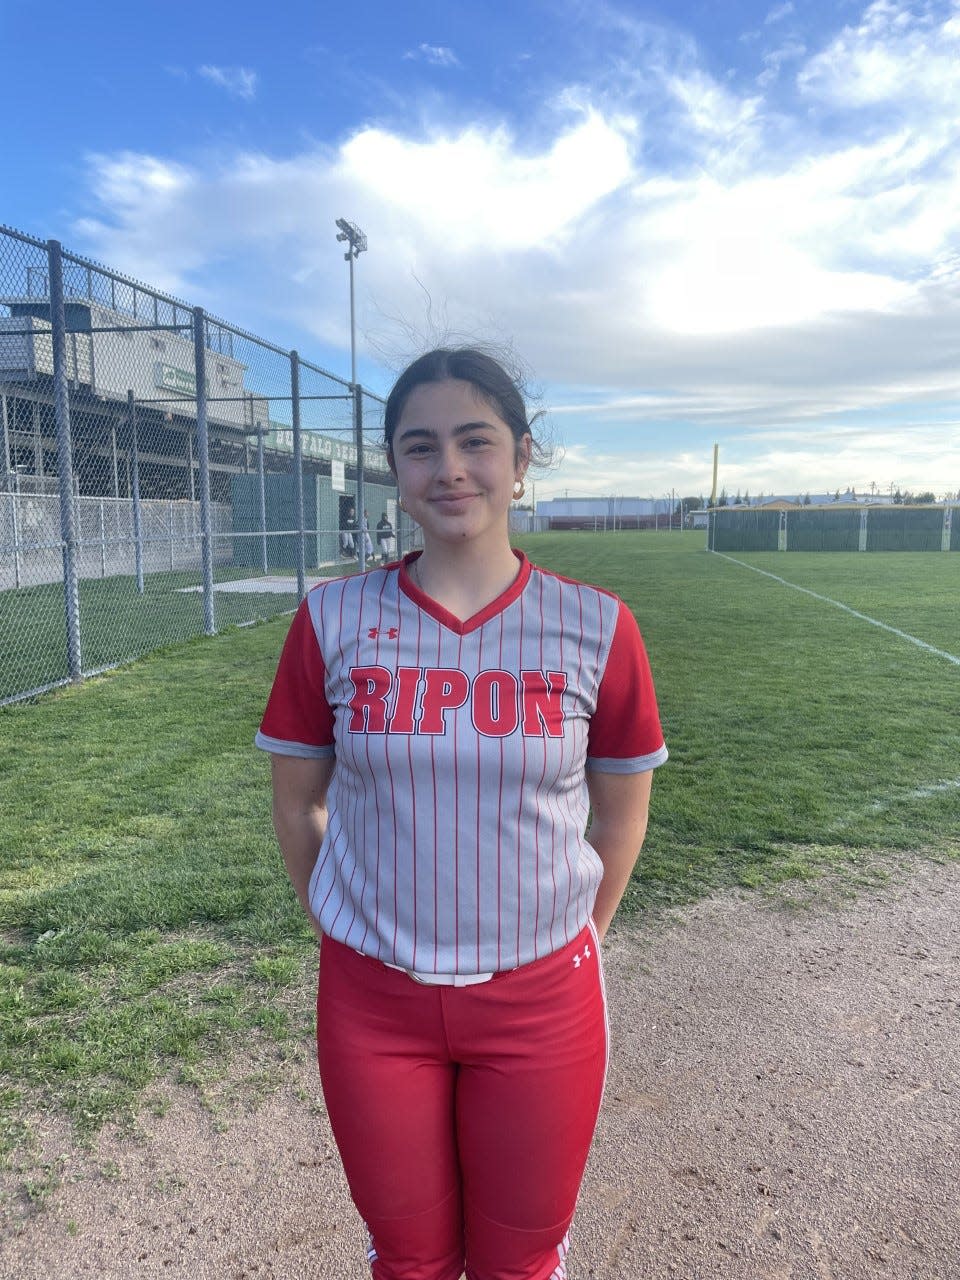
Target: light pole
point(356, 243)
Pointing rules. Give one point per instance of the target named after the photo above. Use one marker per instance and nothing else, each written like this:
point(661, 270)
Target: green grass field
point(116, 623)
point(145, 923)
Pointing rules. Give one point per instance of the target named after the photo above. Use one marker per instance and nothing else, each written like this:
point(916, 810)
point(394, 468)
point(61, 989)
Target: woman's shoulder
point(575, 585)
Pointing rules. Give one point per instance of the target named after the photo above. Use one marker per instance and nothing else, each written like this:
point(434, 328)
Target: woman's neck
point(466, 581)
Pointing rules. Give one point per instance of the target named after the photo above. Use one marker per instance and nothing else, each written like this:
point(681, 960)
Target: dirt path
point(784, 1104)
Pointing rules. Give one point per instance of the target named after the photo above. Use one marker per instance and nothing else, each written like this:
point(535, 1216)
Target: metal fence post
point(135, 491)
point(15, 531)
point(298, 475)
point(206, 537)
point(361, 500)
point(61, 405)
point(103, 543)
point(262, 484)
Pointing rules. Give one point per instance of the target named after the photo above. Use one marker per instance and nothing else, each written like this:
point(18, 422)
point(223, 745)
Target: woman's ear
point(524, 453)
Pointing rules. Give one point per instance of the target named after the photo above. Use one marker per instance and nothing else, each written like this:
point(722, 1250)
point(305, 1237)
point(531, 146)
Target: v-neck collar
point(450, 620)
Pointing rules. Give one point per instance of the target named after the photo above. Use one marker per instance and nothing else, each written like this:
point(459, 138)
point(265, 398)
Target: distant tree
point(925, 497)
point(836, 496)
point(723, 500)
point(746, 496)
point(898, 497)
point(737, 500)
point(806, 499)
point(760, 498)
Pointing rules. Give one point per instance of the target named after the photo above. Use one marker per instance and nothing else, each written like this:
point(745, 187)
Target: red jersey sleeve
point(625, 734)
point(298, 720)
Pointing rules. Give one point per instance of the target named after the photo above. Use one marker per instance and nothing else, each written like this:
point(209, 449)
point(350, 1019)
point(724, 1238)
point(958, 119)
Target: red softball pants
point(464, 1115)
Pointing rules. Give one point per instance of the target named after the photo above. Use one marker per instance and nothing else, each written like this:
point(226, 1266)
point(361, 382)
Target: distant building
point(607, 513)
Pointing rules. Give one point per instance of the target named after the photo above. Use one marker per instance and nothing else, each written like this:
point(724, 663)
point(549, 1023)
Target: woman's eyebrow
point(408, 433)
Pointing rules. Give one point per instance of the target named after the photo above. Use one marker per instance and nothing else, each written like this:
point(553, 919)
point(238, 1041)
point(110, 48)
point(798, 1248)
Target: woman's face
point(456, 463)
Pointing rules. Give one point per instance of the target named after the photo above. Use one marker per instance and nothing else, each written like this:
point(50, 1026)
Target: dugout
point(321, 517)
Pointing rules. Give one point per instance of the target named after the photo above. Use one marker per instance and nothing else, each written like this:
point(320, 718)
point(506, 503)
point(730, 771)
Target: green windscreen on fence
point(281, 518)
point(865, 528)
point(814, 529)
point(905, 529)
point(744, 530)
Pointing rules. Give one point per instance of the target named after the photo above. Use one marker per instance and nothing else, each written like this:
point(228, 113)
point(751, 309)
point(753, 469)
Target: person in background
point(440, 729)
point(385, 538)
point(348, 543)
point(365, 530)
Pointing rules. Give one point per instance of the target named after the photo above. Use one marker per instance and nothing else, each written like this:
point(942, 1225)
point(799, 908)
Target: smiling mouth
point(453, 498)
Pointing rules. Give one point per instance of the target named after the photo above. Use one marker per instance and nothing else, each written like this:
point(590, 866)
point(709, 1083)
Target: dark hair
point(486, 375)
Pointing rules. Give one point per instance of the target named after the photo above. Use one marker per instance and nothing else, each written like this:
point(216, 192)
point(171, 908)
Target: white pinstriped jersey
point(458, 803)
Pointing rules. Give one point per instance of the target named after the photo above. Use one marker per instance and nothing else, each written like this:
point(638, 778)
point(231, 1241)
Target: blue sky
point(695, 222)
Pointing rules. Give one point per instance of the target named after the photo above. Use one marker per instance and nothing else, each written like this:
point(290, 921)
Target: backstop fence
point(163, 474)
point(893, 528)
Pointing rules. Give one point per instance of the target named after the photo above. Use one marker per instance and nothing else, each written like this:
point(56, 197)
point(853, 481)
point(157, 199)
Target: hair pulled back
point(491, 382)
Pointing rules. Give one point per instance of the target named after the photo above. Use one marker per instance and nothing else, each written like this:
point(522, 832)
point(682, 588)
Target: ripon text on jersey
point(417, 700)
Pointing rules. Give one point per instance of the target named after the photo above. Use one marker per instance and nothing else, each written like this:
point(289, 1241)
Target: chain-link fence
point(163, 474)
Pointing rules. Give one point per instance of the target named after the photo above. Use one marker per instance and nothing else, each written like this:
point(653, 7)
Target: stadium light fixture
point(357, 243)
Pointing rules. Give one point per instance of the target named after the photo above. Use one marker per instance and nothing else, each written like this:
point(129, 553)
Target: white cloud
point(436, 55)
point(713, 110)
point(476, 190)
point(239, 82)
point(894, 57)
point(774, 59)
point(918, 459)
point(778, 13)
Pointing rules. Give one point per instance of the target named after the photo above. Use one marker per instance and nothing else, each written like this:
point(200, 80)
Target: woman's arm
point(300, 817)
point(620, 803)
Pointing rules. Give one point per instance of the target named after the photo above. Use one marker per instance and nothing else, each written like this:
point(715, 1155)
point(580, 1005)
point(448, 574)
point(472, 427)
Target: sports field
point(116, 622)
point(146, 923)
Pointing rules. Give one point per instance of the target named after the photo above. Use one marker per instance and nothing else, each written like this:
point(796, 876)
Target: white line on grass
point(918, 793)
point(894, 798)
point(921, 644)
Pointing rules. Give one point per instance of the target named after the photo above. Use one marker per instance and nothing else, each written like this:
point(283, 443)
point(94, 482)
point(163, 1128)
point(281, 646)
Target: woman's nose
point(450, 464)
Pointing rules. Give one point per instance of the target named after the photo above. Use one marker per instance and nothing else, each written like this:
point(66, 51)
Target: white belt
point(443, 979)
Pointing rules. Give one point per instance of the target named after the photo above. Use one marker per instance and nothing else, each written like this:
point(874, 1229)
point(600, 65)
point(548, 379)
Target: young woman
point(439, 729)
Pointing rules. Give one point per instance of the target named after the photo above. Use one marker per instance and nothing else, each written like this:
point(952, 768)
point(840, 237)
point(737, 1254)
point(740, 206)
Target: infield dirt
point(783, 1104)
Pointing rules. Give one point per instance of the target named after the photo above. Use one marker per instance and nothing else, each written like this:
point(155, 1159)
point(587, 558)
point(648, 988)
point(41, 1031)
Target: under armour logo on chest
point(578, 959)
point(391, 633)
